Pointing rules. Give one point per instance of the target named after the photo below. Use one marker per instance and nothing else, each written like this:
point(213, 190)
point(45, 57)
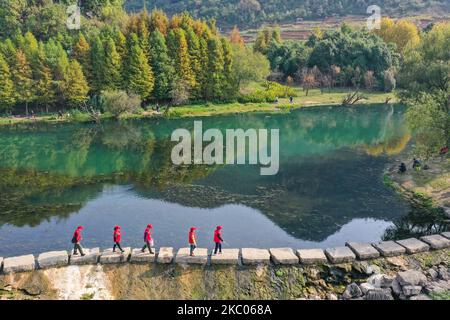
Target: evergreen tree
point(195, 60)
point(42, 74)
point(7, 95)
point(228, 86)
point(74, 85)
point(121, 44)
point(161, 66)
point(98, 66)
point(203, 75)
point(9, 52)
point(181, 60)
point(112, 66)
point(140, 78)
point(81, 53)
point(215, 77)
point(23, 80)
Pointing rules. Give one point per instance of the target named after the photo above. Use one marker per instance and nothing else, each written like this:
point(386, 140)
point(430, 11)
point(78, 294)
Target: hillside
point(253, 13)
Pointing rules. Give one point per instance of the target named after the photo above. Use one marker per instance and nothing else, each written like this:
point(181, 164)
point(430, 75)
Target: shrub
point(119, 102)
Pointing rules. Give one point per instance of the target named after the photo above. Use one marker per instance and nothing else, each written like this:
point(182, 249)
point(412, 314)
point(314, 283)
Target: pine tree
point(30, 45)
point(7, 94)
point(195, 60)
point(42, 74)
point(98, 66)
point(8, 51)
point(215, 77)
point(159, 21)
point(112, 66)
point(181, 60)
point(74, 85)
point(144, 33)
point(81, 53)
point(121, 44)
point(140, 78)
point(228, 86)
point(23, 80)
point(203, 75)
point(236, 38)
point(161, 66)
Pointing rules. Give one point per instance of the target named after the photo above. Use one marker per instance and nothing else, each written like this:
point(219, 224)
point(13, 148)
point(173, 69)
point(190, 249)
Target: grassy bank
point(314, 98)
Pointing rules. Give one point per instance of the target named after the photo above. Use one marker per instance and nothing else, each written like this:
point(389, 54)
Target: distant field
point(302, 29)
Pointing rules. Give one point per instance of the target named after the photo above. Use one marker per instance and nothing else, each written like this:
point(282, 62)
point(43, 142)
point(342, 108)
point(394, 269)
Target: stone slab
point(165, 255)
point(312, 256)
point(363, 251)
point(53, 259)
point(436, 241)
point(283, 256)
point(413, 245)
point(228, 256)
point(446, 234)
point(340, 254)
point(255, 256)
point(389, 248)
point(91, 256)
point(19, 264)
point(137, 256)
point(200, 256)
point(108, 256)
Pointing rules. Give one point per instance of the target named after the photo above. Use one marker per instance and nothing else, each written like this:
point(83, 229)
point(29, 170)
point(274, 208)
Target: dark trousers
point(218, 247)
point(77, 247)
point(193, 246)
point(117, 244)
point(147, 245)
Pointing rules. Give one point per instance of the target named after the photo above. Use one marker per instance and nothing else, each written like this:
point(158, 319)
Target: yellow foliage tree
point(401, 33)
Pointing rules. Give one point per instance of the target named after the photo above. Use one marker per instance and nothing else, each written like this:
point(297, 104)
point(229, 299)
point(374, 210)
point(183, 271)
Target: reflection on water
point(329, 188)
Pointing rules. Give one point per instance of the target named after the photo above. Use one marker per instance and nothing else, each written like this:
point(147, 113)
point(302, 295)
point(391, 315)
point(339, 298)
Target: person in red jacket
point(148, 239)
point(218, 239)
point(117, 237)
point(76, 239)
point(192, 240)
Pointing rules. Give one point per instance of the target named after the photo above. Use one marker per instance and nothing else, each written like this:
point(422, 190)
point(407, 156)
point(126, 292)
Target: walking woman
point(117, 237)
point(148, 239)
point(218, 239)
point(76, 239)
point(192, 240)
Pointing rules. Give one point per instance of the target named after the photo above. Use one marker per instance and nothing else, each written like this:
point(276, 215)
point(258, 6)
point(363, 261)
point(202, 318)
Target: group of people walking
point(148, 240)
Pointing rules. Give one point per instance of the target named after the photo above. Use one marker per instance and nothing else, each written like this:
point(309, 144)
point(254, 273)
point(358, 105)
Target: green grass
point(87, 296)
point(445, 295)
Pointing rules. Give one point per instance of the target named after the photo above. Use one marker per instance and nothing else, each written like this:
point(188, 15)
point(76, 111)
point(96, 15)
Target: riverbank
point(430, 187)
point(315, 98)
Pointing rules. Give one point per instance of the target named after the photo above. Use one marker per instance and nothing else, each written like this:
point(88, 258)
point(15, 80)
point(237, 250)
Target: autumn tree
point(7, 96)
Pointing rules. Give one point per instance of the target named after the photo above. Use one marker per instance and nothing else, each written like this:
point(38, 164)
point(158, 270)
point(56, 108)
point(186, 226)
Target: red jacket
point(77, 235)
point(191, 237)
point(218, 236)
point(147, 235)
point(117, 235)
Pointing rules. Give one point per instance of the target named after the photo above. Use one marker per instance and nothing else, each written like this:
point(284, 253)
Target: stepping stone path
point(340, 255)
point(255, 256)
point(19, 264)
point(165, 255)
point(412, 245)
point(228, 256)
point(200, 256)
point(108, 256)
point(283, 256)
point(312, 256)
point(53, 259)
point(137, 256)
point(436, 241)
point(363, 251)
point(446, 234)
point(389, 248)
point(91, 256)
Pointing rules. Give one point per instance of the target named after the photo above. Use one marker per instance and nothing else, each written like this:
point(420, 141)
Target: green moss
point(87, 296)
point(445, 295)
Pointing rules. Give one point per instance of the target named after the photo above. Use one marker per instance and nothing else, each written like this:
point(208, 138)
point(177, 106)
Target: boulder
point(420, 297)
point(363, 251)
point(389, 248)
point(137, 256)
point(91, 256)
point(200, 256)
point(412, 245)
point(108, 256)
point(351, 292)
point(411, 278)
point(283, 256)
point(53, 259)
point(19, 264)
point(255, 256)
point(312, 256)
point(366, 287)
point(433, 274)
point(446, 234)
point(379, 294)
point(436, 241)
point(411, 290)
point(380, 281)
point(443, 273)
point(396, 287)
point(437, 286)
point(340, 255)
point(165, 255)
point(228, 256)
